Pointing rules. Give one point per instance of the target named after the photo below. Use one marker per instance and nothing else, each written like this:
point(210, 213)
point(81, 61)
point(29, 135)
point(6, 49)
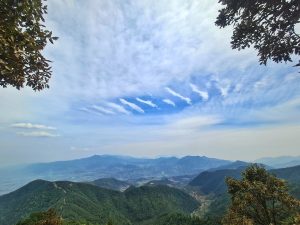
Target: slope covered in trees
point(88, 203)
point(111, 183)
point(213, 182)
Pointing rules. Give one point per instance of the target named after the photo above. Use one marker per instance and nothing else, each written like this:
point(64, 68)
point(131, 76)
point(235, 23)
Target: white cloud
point(37, 134)
point(88, 110)
point(84, 109)
point(238, 87)
point(262, 83)
point(292, 77)
point(169, 102)
point(196, 122)
point(32, 126)
point(103, 110)
point(252, 143)
point(188, 125)
point(287, 112)
point(224, 86)
point(147, 102)
point(132, 105)
point(125, 49)
point(203, 94)
point(126, 44)
point(117, 108)
point(172, 92)
point(80, 149)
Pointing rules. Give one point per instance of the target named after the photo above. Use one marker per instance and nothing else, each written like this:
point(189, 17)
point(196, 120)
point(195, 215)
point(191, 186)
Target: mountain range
point(144, 200)
point(106, 166)
point(137, 171)
point(280, 162)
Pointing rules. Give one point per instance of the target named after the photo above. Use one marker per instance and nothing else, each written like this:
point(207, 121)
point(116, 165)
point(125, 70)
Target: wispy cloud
point(89, 110)
point(103, 110)
point(118, 62)
point(174, 93)
point(192, 123)
point(132, 49)
point(132, 105)
point(147, 102)
point(203, 94)
point(117, 108)
point(37, 134)
point(80, 149)
point(32, 126)
point(224, 87)
point(169, 102)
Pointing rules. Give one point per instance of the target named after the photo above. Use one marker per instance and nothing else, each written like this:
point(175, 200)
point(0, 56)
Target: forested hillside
point(88, 203)
point(213, 182)
point(111, 183)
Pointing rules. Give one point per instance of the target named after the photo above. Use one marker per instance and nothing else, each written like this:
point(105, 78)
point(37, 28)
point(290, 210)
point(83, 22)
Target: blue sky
point(150, 78)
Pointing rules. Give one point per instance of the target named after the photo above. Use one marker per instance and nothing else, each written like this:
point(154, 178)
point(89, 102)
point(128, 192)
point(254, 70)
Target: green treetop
point(22, 38)
point(260, 198)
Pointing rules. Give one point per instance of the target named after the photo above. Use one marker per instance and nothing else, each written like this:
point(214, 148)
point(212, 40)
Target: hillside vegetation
point(213, 182)
point(111, 183)
point(88, 203)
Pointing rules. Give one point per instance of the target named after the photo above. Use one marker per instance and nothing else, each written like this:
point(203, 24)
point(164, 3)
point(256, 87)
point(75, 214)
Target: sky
point(147, 79)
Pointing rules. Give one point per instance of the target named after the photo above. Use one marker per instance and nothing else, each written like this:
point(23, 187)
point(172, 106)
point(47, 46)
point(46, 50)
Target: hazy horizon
point(147, 79)
point(3, 166)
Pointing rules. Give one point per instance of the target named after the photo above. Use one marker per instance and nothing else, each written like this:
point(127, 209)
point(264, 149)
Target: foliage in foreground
point(49, 217)
point(22, 39)
point(260, 198)
point(182, 219)
point(266, 25)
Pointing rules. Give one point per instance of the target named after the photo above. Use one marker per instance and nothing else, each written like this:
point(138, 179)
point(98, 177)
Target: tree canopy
point(260, 198)
point(23, 36)
point(266, 25)
point(49, 217)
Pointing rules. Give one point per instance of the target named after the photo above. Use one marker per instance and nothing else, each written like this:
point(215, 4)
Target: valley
point(148, 200)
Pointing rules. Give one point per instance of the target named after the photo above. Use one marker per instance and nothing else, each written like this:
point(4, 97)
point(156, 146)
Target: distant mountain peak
point(119, 167)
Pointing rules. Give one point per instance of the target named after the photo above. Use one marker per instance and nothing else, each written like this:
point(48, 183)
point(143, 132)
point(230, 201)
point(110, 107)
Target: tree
point(260, 198)
point(22, 39)
point(109, 222)
point(267, 25)
point(49, 217)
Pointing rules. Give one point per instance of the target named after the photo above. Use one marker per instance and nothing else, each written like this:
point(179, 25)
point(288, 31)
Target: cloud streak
point(203, 94)
point(117, 108)
point(38, 134)
point(169, 102)
point(132, 105)
point(103, 110)
point(32, 126)
point(147, 102)
point(174, 93)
